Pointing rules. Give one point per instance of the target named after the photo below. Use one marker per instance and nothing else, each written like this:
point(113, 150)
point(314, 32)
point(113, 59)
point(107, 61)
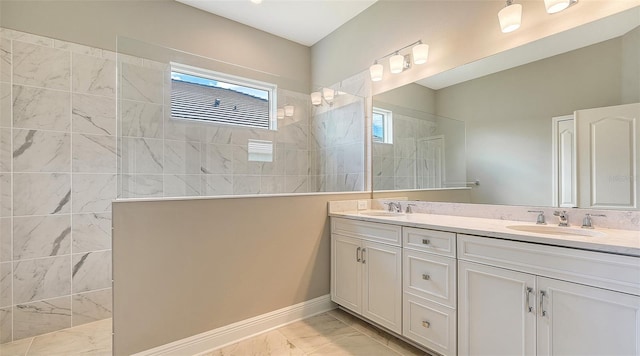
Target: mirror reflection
point(509, 121)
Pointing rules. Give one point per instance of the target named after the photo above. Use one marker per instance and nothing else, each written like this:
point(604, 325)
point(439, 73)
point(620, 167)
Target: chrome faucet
point(540, 219)
point(563, 217)
point(586, 222)
point(409, 209)
point(394, 207)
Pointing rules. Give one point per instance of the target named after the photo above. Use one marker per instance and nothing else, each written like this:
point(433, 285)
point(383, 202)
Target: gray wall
point(164, 22)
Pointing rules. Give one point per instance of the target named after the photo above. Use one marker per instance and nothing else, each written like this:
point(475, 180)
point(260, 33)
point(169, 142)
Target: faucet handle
point(409, 209)
point(540, 220)
point(587, 223)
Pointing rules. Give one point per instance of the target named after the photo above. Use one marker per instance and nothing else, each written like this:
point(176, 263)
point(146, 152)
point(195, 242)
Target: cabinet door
point(494, 312)
point(346, 272)
point(579, 320)
point(382, 285)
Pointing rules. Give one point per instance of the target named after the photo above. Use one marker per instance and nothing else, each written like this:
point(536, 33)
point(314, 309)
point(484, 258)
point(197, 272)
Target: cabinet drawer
point(598, 269)
point(367, 230)
point(432, 241)
point(429, 324)
point(430, 276)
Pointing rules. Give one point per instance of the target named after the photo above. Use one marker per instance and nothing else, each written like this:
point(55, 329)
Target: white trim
point(555, 173)
point(232, 333)
point(387, 123)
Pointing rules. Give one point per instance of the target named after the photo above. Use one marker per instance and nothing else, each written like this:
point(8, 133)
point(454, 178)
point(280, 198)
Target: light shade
point(288, 110)
point(280, 114)
point(316, 98)
point(328, 94)
point(375, 71)
point(396, 63)
point(510, 18)
point(554, 6)
point(420, 53)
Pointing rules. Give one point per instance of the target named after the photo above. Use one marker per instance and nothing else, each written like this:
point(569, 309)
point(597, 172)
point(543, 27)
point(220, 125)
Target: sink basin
point(556, 230)
point(381, 213)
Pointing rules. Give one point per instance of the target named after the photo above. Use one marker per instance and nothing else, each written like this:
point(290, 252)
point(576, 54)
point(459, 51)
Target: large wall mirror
point(504, 128)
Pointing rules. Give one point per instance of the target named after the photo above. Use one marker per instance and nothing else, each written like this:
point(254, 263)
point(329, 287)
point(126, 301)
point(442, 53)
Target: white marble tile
point(217, 159)
point(141, 119)
point(312, 333)
point(42, 278)
point(41, 193)
point(89, 339)
point(6, 236)
point(217, 134)
point(94, 154)
point(41, 109)
point(91, 232)
point(141, 84)
point(354, 345)
point(6, 284)
point(92, 306)
point(93, 115)
point(241, 163)
point(246, 184)
point(181, 157)
point(181, 185)
point(41, 236)
point(148, 186)
point(5, 60)
point(41, 317)
point(41, 151)
point(217, 184)
point(272, 184)
point(126, 155)
point(296, 162)
point(270, 343)
point(39, 66)
point(296, 184)
point(6, 105)
point(91, 271)
point(77, 48)
point(25, 37)
point(93, 193)
point(92, 75)
point(6, 195)
point(149, 155)
point(182, 130)
point(5, 150)
point(6, 335)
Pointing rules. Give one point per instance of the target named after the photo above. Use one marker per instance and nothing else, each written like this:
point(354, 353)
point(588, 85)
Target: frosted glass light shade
point(554, 6)
point(396, 63)
point(420, 53)
point(375, 71)
point(328, 94)
point(288, 110)
point(280, 114)
point(316, 98)
point(510, 18)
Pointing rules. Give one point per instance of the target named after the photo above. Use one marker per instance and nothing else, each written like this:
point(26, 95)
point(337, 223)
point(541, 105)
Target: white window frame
point(271, 88)
point(387, 125)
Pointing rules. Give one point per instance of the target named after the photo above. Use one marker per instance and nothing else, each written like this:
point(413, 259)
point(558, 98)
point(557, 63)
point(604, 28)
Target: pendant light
point(510, 17)
point(396, 63)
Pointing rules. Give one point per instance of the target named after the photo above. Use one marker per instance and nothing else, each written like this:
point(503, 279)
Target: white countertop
point(625, 242)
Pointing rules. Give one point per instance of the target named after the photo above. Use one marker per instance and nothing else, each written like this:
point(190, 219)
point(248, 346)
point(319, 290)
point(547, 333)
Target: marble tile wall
point(57, 180)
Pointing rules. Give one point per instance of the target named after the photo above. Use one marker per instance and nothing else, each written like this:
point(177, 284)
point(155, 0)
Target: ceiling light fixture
point(510, 17)
point(399, 62)
point(554, 6)
point(316, 98)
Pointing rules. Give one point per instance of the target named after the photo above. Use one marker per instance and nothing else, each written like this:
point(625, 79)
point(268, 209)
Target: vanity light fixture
point(399, 62)
point(256, 1)
point(316, 98)
point(280, 114)
point(510, 17)
point(288, 110)
point(554, 6)
point(328, 94)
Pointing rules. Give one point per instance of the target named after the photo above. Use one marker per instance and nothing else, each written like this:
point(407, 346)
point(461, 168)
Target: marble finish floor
point(332, 333)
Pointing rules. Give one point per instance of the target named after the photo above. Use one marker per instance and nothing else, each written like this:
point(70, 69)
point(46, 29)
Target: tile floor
point(332, 333)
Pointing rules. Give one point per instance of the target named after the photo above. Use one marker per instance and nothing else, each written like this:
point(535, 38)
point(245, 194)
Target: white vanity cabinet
point(519, 298)
point(429, 289)
point(366, 270)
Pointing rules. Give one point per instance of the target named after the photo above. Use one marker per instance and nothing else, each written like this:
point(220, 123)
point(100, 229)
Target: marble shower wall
point(397, 165)
point(165, 157)
point(57, 180)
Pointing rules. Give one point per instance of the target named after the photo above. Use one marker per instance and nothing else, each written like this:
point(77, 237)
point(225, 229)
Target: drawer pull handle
point(542, 311)
point(363, 251)
point(426, 277)
point(529, 307)
point(425, 241)
point(426, 324)
point(358, 254)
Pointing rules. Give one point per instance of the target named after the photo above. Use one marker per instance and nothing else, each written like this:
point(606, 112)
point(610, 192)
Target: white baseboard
point(244, 329)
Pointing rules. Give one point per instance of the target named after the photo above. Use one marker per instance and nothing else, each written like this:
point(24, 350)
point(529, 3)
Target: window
point(203, 95)
point(382, 127)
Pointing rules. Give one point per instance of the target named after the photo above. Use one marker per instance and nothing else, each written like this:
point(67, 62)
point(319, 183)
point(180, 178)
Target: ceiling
point(302, 21)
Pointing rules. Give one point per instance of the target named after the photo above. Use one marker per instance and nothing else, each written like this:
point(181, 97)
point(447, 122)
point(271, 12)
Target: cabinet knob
point(425, 241)
point(426, 277)
point(426, 324)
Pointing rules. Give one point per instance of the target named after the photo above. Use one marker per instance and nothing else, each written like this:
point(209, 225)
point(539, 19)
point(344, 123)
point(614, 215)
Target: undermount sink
point(556, 230)
point(381, 213)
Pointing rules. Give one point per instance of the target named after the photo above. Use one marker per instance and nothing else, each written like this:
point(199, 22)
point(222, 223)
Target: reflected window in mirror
point(382, 126)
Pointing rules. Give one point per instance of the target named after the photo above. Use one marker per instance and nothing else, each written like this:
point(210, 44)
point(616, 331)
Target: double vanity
point(458, 285)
